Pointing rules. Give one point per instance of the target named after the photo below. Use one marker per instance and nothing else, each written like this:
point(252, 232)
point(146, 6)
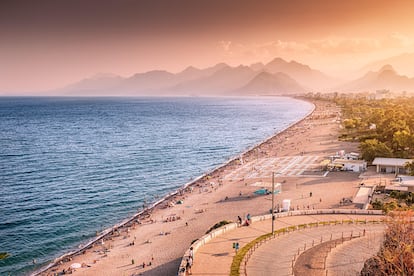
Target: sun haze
point(48, 44)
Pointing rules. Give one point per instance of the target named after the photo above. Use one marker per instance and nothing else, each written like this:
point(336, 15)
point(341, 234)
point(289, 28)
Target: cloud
point(329, 46)
point(340, 46)
point(396, 40)
point(344, 46)
point(256, 51)
point(225, 45)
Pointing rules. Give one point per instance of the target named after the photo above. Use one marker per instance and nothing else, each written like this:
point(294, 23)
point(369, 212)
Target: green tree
point(409, 166)
point(402, 139)
point(372, 148)
point(349, 123)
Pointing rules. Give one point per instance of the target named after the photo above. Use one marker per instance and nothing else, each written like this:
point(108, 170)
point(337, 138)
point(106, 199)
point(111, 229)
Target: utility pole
point(273, 202)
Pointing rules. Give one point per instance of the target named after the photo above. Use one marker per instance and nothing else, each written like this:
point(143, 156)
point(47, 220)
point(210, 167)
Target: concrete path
point(215, 257)
point(275, 257)
point(348, 258)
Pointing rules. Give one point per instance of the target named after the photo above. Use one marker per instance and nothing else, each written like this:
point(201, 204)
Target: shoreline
point(169, 196)
point(304, 134)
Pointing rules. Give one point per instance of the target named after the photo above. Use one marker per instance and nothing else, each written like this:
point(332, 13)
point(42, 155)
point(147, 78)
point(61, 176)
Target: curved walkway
point(275, 257)
point(216, 256)
point(348, 258)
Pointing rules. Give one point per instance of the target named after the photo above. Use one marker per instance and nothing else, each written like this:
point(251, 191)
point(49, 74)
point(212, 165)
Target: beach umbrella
point(75, 265)
point(265, 186)
point(261, 192)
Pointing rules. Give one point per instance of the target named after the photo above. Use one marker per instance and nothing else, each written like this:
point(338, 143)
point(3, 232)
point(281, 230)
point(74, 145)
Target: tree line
point(384, 128)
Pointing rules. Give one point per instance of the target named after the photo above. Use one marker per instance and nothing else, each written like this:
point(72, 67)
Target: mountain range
point(385, 78)
point(402, 63)
point(278, 77)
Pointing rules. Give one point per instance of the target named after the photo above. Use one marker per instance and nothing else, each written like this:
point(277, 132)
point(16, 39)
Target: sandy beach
point(155, 244)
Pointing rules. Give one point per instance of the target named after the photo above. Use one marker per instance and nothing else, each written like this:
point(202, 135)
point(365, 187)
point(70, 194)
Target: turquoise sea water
point(72, 166)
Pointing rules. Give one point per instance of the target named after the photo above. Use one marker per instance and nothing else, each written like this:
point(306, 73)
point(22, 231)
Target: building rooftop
point(406, 181)
point(397, 162)
point(349, 161)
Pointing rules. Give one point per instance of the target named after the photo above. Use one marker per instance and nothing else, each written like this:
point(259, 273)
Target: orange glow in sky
point(48, 44)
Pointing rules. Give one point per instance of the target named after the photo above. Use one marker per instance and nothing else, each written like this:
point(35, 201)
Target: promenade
point(275, 256)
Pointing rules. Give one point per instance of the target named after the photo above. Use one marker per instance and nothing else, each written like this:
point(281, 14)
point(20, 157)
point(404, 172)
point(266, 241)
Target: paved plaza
point(288, 166)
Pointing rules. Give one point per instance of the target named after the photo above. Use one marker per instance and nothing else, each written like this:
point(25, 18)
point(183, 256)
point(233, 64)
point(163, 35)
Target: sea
point(72, 167)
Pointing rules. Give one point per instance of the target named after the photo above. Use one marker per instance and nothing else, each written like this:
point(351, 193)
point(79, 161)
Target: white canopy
point(266, 184)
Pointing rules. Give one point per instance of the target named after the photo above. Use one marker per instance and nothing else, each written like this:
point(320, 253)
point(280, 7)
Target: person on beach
point(240, 220)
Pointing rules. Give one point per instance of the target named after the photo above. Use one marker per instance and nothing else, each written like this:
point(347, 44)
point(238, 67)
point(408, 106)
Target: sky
point(47, 44)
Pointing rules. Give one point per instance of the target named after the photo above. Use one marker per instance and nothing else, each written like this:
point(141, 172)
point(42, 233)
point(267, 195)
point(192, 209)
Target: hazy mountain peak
point(277, 60)
point(402, 63)
point(305, 75)
point(190, 69)
point(234, 70)
point(263, 75)
point(298, 64)
point(152, 73)
point(221, 65)
point(265, 83)
point(385, 78)
point(387, 67)
point(97, 82)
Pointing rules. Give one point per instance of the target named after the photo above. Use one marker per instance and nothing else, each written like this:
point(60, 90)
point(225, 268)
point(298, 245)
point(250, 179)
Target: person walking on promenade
point(189, 265)
point(191, 253)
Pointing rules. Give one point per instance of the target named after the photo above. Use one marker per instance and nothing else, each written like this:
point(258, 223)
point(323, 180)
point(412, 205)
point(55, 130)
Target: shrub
point(218, 225)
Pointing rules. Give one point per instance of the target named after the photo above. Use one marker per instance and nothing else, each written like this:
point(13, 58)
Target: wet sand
point(162, 236)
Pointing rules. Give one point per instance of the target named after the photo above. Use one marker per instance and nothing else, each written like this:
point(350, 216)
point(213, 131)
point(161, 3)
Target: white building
point(350, 165)
point(391, 165)
point(286, 205)
point(406, 182)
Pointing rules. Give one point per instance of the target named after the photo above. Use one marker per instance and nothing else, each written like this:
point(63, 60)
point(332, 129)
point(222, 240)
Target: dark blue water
point(72, 166)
